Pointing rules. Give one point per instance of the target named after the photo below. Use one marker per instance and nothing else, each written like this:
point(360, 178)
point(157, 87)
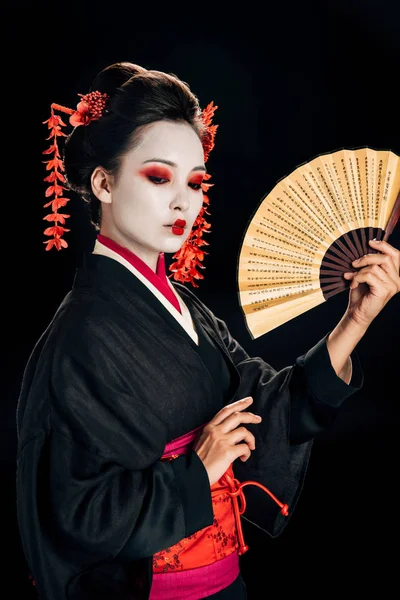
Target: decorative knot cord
point(235, 490)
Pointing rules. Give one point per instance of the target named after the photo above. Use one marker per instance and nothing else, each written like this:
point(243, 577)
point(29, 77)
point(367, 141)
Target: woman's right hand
point(222, 440)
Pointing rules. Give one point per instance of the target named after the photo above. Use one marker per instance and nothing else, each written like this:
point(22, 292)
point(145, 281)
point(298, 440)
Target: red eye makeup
point(197, 179)
point(156, 171)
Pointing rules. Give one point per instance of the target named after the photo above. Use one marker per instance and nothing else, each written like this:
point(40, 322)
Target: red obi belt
point(208, 560)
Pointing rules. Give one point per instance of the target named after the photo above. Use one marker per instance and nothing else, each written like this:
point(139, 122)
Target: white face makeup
point(158, 183)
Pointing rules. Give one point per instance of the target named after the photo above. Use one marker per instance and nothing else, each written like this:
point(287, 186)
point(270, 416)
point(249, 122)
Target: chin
point(170, 250)
point(172, 246)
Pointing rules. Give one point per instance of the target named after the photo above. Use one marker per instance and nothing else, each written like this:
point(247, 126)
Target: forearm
point(340, 344)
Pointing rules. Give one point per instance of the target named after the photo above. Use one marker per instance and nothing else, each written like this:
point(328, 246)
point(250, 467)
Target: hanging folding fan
point(307, 231)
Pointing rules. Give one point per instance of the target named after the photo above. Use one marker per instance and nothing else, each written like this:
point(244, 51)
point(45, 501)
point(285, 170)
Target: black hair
point(138, 97)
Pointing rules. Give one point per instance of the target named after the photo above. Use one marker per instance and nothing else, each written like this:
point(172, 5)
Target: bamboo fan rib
point(307, 231)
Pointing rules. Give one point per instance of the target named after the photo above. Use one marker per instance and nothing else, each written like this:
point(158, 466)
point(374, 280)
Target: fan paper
point(307, 231)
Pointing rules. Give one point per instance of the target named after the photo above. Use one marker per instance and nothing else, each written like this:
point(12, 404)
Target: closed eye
point(157, 180)
point(161, 180)
point(195, 186)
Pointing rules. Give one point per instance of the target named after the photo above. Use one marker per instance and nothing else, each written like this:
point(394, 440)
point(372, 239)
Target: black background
point(291, 80)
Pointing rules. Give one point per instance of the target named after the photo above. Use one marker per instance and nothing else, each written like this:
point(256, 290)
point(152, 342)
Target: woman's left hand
point(375, 282)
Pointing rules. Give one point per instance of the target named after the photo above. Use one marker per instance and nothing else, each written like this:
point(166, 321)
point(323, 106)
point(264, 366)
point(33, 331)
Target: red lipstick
point(178, 227)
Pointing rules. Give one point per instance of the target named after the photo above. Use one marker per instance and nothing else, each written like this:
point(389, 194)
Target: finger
point(241, 434)
point(235, 419)
point(381, 285)
point(230, 408)
point(377, 270)
point(374, 269)
point(385, 261)
point(241, 451)
point(388, 249)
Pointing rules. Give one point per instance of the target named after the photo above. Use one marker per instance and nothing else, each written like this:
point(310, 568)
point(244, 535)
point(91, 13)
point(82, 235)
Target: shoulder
point(79, 312)
point(85, 326)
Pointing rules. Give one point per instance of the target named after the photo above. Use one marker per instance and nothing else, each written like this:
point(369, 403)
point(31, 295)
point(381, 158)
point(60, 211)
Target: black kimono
point(113, 379)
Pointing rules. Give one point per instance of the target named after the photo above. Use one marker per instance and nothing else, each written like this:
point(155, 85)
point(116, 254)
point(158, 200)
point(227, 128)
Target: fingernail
point(357, 260)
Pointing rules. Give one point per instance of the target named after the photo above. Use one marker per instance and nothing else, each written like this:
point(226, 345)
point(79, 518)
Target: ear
point(101, 185)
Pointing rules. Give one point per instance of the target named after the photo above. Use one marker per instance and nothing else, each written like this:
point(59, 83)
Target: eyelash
point(160, 181)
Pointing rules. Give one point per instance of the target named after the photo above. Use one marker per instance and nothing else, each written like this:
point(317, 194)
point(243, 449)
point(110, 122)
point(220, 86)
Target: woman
point(139, 415)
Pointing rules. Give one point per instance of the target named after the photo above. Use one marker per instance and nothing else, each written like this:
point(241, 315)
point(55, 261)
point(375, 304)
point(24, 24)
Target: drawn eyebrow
point(172, 164)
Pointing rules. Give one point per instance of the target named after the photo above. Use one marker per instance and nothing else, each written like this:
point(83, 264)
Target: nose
point(181, 199)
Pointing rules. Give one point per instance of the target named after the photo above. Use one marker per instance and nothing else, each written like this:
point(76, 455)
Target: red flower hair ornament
point(91, 108)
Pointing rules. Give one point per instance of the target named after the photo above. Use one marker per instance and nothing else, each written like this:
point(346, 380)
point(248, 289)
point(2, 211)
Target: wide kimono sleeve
point(91, 486)
point(295, 403)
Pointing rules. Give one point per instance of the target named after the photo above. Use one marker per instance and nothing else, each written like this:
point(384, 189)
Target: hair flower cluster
point(189, 257)
point(90, 108)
